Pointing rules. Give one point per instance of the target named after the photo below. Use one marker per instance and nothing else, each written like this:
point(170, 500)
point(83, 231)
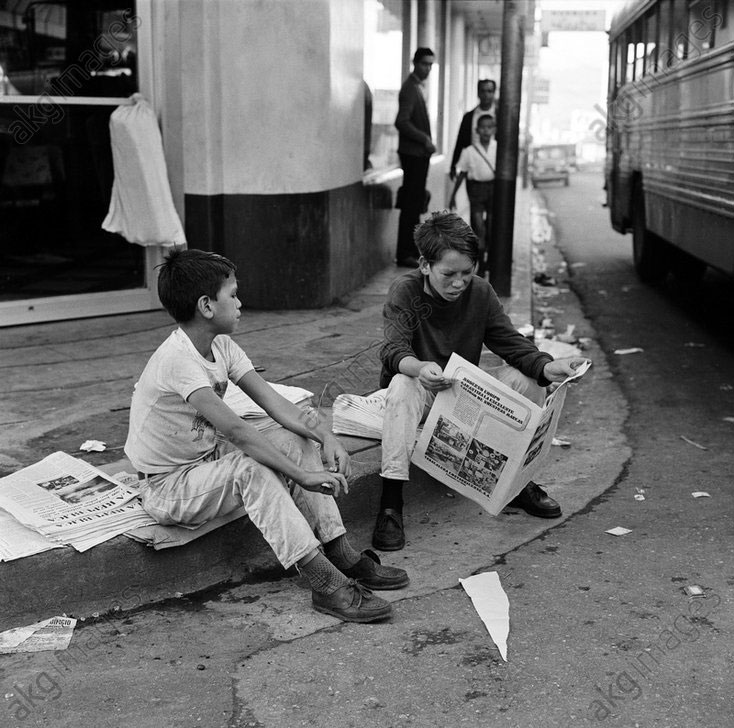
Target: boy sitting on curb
point(440, 308)
point(197, 459)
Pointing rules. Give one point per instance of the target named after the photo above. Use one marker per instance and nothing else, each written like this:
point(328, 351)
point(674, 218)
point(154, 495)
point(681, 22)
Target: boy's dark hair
point(186, 276)
point(421, 52)
point(446, 231)
point(481, 83)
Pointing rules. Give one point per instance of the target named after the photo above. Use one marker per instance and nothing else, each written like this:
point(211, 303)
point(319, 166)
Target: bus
point(669, 173)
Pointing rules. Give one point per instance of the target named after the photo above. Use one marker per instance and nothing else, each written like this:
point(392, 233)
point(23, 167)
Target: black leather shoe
point(535, 501)
point(352, 603)
point(369, 572)
point(389, 534)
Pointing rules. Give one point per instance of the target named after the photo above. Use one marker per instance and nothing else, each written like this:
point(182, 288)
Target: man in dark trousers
point(415, 148)
point(486, 90)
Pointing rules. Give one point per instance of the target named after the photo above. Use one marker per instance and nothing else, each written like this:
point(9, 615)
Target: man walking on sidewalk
point(415, 148)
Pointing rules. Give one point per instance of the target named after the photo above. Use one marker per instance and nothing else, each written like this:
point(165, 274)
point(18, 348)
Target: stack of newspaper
point(243, 406)
point(63, 500)
point(359, 416)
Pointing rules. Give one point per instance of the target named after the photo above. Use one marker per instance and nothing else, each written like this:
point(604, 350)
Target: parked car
point(552, 162)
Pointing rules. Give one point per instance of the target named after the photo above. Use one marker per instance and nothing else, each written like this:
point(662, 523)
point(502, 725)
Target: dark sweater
point(431, 329)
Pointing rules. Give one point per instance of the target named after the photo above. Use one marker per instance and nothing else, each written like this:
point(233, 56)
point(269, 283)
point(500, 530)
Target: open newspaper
point(66, 501)
point(483, 439)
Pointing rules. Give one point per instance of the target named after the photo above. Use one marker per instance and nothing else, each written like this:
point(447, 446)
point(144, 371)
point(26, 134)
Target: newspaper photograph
point(69, 501)
point(483, 439)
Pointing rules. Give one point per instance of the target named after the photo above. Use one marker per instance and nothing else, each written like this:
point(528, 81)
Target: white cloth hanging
point(141, 208)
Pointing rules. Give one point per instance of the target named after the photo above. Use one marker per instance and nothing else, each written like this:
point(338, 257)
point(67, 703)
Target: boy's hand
point(323, 482)
point(336, 456)
point(559, 369)
point(432, 378)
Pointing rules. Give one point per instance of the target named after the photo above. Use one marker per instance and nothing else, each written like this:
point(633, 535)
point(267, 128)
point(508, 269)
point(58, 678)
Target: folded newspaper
point(353, 414)
point(483, 439)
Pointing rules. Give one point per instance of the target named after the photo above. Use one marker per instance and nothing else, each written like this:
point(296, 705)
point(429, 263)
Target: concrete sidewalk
point(71, 381)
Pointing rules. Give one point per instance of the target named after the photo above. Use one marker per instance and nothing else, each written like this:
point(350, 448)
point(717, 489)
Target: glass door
point(64, 68)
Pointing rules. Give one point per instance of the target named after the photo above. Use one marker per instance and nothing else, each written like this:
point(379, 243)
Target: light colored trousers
point(289, 517)
point(407, 404)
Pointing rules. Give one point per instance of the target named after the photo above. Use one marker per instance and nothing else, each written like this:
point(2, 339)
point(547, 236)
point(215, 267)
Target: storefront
point(65, 67)
point(277, 121)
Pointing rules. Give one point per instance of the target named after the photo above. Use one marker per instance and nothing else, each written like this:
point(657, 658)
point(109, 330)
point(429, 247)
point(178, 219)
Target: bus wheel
point(648, 250)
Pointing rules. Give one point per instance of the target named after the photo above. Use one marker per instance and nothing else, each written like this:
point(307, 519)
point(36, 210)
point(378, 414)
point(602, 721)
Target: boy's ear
point(424, 265)
point(204, 307)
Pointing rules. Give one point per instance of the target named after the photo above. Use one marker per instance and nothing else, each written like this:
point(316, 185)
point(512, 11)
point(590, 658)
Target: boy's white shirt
point(165, 430)
point(473, 161)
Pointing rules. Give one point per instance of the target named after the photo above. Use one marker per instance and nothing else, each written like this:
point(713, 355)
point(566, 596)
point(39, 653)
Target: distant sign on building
point(541, 90)
point(573, 20)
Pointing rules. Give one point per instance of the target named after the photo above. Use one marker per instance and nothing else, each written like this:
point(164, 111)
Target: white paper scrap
point(559, 442)
point(48, 634)
point(492, 606)
point(93, 446)
point(691, 442)
point(633, 350)
point(619, 531)
point(700, 494)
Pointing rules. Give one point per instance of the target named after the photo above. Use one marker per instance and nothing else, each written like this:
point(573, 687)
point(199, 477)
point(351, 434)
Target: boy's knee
point(403, 387)
point(526, 386)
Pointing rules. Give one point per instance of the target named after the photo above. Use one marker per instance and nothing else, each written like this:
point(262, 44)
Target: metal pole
point(513, 49)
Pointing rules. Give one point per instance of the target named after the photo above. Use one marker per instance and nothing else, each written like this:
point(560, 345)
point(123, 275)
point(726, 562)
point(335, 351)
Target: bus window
point(680, 29)
point(651, 40)
point(620, 49)
point(702, 22)
point(639, 59)
point(629, 75)
point(665, 56)
point(725, 30)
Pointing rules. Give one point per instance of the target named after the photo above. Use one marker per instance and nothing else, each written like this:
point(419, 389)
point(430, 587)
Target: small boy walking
point(197, 459)
point(476, 165)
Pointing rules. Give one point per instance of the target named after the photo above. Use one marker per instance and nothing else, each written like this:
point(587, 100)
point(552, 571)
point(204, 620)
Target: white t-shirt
point(165, 430)
point(478, 163)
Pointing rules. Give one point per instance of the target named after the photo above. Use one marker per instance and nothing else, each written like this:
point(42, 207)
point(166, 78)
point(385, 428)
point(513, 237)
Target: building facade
point(277, 125)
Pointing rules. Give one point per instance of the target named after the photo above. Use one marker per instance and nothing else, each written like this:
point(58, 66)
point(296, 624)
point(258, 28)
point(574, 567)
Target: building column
point(271, 109)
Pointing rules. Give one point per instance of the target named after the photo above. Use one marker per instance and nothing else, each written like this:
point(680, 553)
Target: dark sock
point(392, 495)
point(323, 576)
point(341, 553)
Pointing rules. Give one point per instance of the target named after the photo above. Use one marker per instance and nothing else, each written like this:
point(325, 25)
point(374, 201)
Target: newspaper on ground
point(359, 416)
point(245, 407)
point(49, 634)
point(69, 501)
point(485, 440)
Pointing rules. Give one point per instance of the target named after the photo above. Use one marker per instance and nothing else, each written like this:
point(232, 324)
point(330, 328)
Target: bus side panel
point(698, 232)
point(675, 131)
